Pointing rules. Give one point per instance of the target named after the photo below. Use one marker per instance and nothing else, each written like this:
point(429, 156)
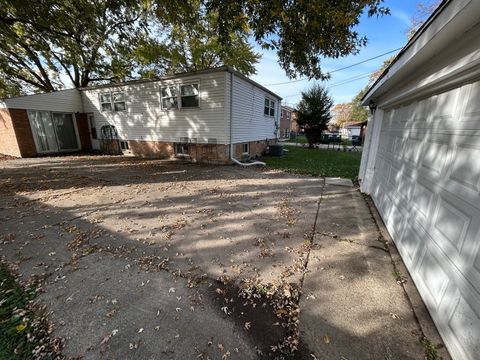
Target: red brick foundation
point(199, 153)
point(255, 148)
point(151, 149)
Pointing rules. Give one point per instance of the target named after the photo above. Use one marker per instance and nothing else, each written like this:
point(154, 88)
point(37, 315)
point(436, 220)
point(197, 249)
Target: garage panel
point(427, 189)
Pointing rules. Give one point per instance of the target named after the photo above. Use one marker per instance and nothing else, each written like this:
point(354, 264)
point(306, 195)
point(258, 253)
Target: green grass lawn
point(330, 163)
point(299, 139)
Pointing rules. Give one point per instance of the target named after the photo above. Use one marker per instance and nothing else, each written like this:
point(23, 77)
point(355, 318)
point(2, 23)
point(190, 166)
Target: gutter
point(412, 40)
point(231, 129)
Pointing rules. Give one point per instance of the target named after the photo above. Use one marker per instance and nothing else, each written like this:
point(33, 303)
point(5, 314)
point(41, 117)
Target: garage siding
point(427, 188)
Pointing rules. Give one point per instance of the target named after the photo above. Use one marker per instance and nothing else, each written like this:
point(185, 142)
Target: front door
point(92, 128)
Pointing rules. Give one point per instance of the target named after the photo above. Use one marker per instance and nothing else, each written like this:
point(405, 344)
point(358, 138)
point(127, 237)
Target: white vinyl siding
point(144, 118)
point(63, 101)
point(249, 121)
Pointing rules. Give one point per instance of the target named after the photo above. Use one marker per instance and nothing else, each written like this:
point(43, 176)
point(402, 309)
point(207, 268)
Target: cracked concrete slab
point(112, 236)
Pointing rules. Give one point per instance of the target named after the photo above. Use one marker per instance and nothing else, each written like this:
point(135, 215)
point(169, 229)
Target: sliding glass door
point(53, 132)
point(65, 130)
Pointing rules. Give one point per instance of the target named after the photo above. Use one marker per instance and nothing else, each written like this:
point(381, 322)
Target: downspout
point(231, 130)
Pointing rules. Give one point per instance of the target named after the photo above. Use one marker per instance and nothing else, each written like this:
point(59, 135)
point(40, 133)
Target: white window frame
point(271, 106)
point(178, 87)
point(175, 86)
point(112, 101)
point(109, 102)
point(182, 96)
point(119, 102)
point(246, 148)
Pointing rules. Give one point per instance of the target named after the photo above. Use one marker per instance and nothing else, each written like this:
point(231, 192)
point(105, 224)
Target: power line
point(345, 81)
point(336, 70)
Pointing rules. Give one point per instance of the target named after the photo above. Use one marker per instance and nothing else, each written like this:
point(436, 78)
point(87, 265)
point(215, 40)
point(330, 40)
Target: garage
point(421, 166)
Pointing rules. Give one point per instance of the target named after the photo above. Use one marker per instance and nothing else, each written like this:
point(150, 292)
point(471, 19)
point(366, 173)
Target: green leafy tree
point(313, 112)
point(90, 41)
point(301, 32)
point(85, 40)
point(358, 112)
point(190, 42)
point(9, 88)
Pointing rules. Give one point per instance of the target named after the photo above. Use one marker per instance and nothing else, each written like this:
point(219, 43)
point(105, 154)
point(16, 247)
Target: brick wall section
point(209, 153)
point(83, 131)
point(23, 133)
point(111, 147)
point(255, 148)
point(151, 149)
point(201, 153)
point(8, 140)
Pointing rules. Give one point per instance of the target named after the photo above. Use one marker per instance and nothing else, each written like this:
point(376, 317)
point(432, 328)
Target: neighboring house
point(294, 128)
point(206, 115)
point(356, 130)
point(421, 165)
point(286, 118)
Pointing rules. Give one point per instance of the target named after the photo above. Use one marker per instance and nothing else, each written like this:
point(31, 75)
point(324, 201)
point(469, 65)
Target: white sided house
point(421, 166)
point(207, 116)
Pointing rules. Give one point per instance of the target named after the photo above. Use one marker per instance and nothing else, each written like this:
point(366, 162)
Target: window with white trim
point(189, 95)
point(169, 97)
point(113, 101)
point(106, 102)
point(119, 101)
point(269, 108)
point(245, 148)
point(180, 96)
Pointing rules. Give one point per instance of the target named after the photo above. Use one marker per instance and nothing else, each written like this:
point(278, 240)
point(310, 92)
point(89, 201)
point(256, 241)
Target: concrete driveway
point(148, 259)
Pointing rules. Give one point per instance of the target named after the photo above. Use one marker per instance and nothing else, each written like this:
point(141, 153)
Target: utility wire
point(345, 81)
point(336, 70)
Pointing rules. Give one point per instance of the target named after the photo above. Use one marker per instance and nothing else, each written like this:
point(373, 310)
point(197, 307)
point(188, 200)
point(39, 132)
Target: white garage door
point(427, 189)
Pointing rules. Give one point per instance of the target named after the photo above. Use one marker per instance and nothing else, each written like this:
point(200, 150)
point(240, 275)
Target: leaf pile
point(24, 330)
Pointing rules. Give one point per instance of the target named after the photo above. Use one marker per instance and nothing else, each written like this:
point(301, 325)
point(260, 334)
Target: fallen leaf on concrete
point(326, 339)
point(107, 337)
point(140, 330)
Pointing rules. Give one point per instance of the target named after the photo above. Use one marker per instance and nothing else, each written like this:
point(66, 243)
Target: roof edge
point(410, 42)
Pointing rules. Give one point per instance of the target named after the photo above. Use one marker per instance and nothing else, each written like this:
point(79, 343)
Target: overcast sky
point(384, 34)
